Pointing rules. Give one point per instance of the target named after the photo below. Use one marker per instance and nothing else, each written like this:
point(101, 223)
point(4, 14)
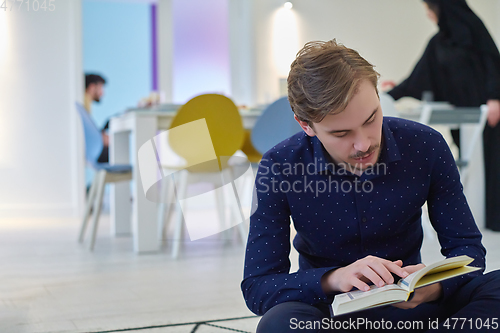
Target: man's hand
point(105, 139)
point(493, 112)
point(369, 269)
point(421, 295)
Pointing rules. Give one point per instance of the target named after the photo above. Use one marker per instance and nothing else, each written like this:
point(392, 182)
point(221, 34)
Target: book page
point(449, 266)
point(373, 290)
point(409, 283)
point(443, 275)
point(376, 296)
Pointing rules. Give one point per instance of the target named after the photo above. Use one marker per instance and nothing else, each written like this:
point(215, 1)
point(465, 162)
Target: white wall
point(241, 49)
point(41, 77)
point(391, 34)
point(165, 33)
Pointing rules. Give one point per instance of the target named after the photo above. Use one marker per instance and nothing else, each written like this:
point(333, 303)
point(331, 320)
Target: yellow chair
point(252, 154)
point(205, 133)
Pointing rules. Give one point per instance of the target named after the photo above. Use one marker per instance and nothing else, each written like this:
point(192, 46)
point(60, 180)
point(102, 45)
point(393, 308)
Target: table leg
point(144, 212)
point(120, 203)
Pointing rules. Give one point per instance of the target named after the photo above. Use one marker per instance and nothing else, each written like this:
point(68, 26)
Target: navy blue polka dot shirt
point(341, 217)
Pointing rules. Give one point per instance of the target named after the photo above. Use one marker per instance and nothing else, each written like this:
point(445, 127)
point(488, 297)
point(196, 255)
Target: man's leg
point(477, 303)
point(390, 318)
point(294, 317)
point(104, 157)
point(300, 317)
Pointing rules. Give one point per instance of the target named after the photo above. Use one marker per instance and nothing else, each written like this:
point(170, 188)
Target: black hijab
point(461, 64)
point(462, 27)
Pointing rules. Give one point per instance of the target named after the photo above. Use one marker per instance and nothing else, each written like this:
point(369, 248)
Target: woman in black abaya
point(461, 65)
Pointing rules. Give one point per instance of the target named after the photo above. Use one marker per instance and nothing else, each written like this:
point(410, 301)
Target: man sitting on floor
point(354, 183)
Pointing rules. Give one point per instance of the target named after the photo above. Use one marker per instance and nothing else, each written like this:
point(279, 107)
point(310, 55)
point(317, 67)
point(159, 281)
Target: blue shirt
point(341, 217)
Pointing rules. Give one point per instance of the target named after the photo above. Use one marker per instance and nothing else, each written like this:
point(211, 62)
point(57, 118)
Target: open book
point(400, 292)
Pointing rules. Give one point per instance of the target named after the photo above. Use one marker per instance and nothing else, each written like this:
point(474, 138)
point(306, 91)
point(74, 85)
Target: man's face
point(353, 136)
point(96, 90)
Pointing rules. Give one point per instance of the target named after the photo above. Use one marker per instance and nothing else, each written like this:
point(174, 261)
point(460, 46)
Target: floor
point(50, 283)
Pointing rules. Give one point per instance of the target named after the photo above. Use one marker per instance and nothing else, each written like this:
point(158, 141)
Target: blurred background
point(241, 48)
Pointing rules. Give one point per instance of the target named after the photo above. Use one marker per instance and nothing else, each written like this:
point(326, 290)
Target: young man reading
point(354, 183)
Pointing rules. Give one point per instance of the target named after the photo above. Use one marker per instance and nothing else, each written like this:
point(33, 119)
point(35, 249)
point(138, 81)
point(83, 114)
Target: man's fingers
point(384, 268)
point(374, 276)
point(383, 272)
point(413, 268)
point(398, 270)
point(357, 283)
point(370, 270)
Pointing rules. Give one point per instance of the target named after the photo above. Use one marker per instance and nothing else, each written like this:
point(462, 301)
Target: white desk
point(128, 133)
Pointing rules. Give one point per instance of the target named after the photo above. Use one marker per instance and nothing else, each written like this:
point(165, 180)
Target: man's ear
point(305, 126)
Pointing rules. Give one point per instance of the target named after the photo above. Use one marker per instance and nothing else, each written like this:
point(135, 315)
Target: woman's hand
point(387, 85)
point(493, 112)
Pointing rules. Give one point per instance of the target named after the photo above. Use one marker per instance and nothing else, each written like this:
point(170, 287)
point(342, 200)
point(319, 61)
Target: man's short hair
point(92, 79)
point(323, 79)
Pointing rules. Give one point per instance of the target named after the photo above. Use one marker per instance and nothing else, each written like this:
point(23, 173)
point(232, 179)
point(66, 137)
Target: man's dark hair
point(93, 78)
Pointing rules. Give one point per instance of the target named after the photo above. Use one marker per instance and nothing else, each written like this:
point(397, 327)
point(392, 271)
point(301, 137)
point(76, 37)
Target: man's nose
point(362, 142)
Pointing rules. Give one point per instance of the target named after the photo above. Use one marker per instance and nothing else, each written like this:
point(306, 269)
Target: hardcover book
point(401, 291)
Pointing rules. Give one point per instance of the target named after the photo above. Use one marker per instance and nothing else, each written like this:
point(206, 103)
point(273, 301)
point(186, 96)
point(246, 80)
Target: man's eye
point(340, 135)
point(371, 120)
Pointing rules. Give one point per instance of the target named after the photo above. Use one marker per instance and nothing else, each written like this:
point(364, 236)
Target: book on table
point(401, 291)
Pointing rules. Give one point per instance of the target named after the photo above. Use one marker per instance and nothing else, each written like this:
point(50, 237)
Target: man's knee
point(291, 317)
point(490, 282)
point(484, 286)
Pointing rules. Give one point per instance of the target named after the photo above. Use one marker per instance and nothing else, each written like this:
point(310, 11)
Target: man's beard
point(365, 153)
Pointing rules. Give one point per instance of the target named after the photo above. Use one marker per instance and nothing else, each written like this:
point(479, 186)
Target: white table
point(128, 133)
point(471, 122)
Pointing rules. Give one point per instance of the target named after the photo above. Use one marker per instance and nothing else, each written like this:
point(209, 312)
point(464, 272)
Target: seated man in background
point(94, 90)
point(354, 183)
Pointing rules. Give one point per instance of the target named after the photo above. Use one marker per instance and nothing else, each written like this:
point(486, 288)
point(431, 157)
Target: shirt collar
point(390, 151)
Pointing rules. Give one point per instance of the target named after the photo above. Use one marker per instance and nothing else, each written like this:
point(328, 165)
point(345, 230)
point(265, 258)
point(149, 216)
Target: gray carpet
point(242, 325)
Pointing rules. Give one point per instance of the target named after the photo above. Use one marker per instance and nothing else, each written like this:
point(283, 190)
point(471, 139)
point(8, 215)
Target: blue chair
point(104, 173)
point(274, 125)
